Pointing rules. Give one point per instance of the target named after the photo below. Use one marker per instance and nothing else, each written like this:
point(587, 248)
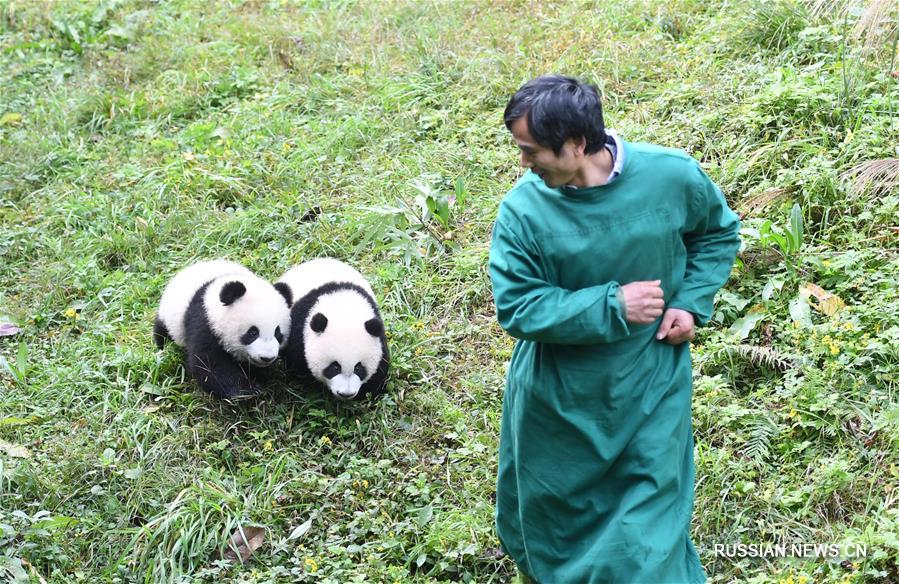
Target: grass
point(137, 137)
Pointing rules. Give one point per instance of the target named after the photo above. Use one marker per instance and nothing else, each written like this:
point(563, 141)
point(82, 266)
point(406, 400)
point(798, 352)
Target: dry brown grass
point(879, 177)
point(877, 22)
point(754, 204)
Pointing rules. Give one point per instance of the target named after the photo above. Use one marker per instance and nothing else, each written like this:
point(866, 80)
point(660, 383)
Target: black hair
point(559, 108)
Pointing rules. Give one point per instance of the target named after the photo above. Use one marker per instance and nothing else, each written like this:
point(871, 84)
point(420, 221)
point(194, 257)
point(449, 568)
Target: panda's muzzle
point(345, 386)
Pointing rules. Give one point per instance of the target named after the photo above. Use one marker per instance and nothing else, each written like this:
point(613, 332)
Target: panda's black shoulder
point(197, 327)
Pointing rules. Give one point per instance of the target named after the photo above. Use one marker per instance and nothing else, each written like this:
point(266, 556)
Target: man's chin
point(544, 178)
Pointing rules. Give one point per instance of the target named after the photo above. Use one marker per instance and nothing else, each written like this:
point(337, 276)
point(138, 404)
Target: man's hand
point(676, 327)
point(643, 301)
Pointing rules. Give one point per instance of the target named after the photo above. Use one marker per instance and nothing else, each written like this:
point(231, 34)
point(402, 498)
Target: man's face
point(555, 170)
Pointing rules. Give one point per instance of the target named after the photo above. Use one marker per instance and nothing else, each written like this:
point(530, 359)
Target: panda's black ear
point(284, 289)
point(319, 322)
point(374, 327)
point(231, 292)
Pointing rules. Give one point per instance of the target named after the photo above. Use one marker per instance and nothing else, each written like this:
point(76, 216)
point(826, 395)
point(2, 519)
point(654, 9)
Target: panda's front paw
point(241, 391)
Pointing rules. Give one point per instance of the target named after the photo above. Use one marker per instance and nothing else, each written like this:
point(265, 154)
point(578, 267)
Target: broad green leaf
point(744, 325)
point(461, 193)
point(300, 530)
point(425, 515)
point(55, 522)
point(772, 285)
point(796, 228)
point(800, 311)
point(443, 210)
point(13, 569)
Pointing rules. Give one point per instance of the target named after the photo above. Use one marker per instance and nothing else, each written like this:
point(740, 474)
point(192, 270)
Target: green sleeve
point(711, 236)
point(530, 308)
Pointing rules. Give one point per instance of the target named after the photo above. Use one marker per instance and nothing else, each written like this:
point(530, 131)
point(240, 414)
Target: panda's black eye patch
point(360, 371)
point(278, 336)
point(331, 370)
point(251, 335)
point(319, 322)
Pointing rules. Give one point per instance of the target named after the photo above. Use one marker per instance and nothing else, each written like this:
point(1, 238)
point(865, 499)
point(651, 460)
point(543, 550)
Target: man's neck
point(595, 170)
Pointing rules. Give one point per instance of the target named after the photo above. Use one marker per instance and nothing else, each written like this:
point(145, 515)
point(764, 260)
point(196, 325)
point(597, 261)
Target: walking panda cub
point(337, 335)
point(228, 320)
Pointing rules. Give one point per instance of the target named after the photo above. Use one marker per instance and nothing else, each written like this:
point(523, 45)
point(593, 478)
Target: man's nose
point(526, 161)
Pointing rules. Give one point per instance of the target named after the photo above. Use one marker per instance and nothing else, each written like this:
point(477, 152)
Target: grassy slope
point(152, 135)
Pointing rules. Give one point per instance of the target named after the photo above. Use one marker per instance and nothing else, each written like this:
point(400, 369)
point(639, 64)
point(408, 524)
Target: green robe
point(596, 474)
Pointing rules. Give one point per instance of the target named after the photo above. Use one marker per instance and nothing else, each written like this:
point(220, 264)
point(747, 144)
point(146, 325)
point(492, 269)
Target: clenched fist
point(643, 301)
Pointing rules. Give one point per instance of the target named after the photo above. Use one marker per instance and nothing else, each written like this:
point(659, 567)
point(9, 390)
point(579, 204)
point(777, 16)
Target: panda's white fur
point(337, 333)
point(311, 274)
point(181, 289)
point(225, 317)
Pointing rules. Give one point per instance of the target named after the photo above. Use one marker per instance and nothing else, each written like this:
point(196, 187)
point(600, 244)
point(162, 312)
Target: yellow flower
point(792, 413)
point(268, 446)
point(71, 313)
point(325, 440)
point(311, 564)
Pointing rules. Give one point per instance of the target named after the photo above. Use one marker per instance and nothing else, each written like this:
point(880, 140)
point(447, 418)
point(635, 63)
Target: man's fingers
point(678, 334)
point(665, 326)
point(677, 340)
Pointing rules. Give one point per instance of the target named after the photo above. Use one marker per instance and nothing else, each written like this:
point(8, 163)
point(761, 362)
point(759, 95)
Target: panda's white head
point(342, 341)
point(250, 318)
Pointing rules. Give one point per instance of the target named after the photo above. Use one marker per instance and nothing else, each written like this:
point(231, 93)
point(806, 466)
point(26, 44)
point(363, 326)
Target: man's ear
point(577, 145)
point(580, 144)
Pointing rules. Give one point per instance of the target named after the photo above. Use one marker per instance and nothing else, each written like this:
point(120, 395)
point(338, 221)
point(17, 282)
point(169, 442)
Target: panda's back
point(183, 287)
point(315, 273)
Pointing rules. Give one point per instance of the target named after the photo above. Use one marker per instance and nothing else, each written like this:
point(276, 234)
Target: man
point(604, 257)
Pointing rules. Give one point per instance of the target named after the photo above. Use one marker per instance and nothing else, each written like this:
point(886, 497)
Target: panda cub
point(337, 334)
point(227, 319)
